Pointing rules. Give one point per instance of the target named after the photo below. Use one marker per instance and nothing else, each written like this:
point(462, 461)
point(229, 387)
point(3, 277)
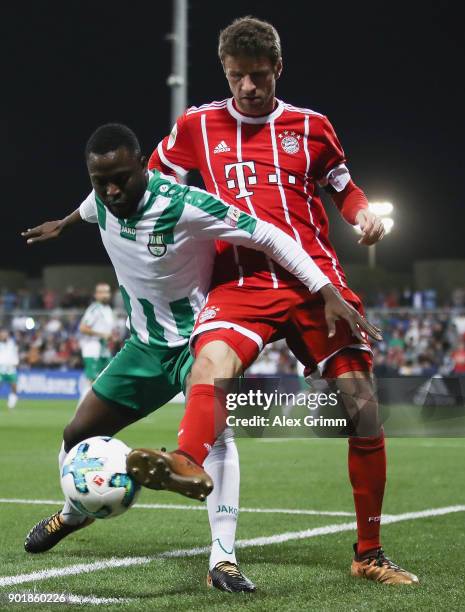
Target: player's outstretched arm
point(212, 218)
point(50, 229)
point(291, 256)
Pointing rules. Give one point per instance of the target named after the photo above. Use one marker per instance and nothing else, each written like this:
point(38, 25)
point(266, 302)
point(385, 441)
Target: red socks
point(367, 472)
point(203, 421)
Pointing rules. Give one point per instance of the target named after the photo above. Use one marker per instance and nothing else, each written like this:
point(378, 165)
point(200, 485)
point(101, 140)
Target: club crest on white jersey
point(156, 245)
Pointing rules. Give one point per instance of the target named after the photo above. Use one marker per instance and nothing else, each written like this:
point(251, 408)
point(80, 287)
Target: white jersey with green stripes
point(9, 356)
point(99, 317)
point(163, 255)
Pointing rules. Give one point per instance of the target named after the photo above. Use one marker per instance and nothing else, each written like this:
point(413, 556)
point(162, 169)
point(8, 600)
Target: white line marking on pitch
point(85, 568)
point(54, 502)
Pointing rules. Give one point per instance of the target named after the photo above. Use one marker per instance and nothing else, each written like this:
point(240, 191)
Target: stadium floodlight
point(383, 210)
point(388, 224)
point(29, 323)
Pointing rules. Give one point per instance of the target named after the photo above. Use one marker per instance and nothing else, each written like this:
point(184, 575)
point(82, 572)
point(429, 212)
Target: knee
point(72, 435)
point(203, 370)
point(359, 388)
point(206, 369)
point(215, 360)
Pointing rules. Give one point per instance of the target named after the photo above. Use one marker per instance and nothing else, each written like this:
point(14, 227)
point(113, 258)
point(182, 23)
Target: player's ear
point(278, 68)
point(143, 162)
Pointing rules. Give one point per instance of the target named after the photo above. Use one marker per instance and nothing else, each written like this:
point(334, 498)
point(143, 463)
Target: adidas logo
point(221, 147)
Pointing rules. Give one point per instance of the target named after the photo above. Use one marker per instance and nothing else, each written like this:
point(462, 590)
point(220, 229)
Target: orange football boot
point(158, 469)
point(379, 568)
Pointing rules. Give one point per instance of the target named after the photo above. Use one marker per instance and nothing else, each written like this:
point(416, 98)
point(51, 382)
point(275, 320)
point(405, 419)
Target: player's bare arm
point(50, 229)
point(337, 308)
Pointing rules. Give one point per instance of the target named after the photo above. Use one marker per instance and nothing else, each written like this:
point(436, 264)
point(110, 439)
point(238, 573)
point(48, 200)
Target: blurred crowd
point(414, 344)
point(408, 298)
point(420, 344)
point(417, 339)
point(44, 299)
point(47, 299)
point(52, 340)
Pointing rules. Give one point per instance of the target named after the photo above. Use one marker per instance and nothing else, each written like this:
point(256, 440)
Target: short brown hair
point(252, 37)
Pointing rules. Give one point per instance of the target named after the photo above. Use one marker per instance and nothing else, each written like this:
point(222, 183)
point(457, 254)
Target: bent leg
point(97, 417)
point(93, 417)
point(203, 419)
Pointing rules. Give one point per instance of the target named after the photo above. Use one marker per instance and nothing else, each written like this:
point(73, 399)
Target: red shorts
point(248, 318)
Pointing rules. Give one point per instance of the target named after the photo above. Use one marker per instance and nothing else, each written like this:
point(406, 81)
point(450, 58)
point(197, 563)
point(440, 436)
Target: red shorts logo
point(208, 313)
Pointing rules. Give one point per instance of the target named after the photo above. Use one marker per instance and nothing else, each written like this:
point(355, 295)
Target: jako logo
point(226, 509)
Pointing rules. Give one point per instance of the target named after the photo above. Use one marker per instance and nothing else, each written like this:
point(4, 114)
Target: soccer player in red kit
point(270, 158)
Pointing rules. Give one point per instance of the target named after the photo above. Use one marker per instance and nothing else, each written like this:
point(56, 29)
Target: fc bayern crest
point(290, 142)
point(156, 245)
point(207, 313)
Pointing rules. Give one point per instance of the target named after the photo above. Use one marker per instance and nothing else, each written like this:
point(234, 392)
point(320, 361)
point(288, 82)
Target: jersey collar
point(257, 120)
point(145, 198)
point(143, 201)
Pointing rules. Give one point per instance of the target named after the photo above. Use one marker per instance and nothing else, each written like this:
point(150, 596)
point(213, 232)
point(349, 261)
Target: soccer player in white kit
point(96, 328)
point(160, 237)
point(9, 360)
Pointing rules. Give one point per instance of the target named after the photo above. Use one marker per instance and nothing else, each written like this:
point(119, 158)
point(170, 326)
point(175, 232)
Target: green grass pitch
point(305, 574)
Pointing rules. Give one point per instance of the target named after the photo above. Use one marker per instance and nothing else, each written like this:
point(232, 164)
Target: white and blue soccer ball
point(94, 478)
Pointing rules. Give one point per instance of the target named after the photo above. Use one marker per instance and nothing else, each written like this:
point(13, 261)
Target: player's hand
point(371, 225)
point(337, 308)
point(46, 231)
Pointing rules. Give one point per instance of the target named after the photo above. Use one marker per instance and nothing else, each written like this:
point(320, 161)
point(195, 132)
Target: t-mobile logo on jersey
point(241, 181)
point(244, 179)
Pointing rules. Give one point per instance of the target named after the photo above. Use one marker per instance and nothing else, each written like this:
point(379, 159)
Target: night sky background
point(389, 75)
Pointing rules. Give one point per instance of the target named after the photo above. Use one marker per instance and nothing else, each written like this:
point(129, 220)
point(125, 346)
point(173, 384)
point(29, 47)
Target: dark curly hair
point(251, 37)
point(110, 137)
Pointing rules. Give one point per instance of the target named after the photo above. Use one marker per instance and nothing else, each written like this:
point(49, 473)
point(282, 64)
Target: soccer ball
point(94, 478)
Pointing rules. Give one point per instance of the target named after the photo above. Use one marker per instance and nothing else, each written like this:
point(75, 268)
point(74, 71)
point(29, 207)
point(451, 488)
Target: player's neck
point(273, 105)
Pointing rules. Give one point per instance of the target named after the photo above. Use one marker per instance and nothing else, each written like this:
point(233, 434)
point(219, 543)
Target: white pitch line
point(54, 502)
point(279, 538)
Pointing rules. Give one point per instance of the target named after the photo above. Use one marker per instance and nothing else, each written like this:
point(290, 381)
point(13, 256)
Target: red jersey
point(458, 357)
point(268, 166)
